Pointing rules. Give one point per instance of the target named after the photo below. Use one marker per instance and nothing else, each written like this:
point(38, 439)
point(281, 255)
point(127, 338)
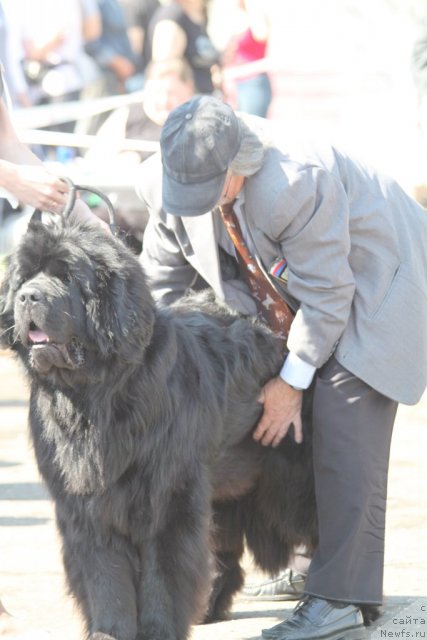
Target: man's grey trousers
point(352, 425)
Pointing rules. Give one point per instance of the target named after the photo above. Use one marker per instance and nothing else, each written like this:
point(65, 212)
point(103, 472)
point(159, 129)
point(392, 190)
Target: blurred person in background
point(248, 46)
point(419, 74)
point(91, 20)
point(92, 30)
point(10, 57)
point(50, 37)
point(138, 14)
point(113, 52)
point(179, 30)
point(168, 84)
point(116, 64)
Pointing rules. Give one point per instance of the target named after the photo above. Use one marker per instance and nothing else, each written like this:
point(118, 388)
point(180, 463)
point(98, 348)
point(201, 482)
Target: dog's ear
point(101, 311)
point(7, 295)
point(121, 311)
point(35, 223)
point(10, 281)
point(36, 217)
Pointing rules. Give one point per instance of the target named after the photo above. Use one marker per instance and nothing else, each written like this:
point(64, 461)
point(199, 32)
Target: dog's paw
point(154, 632)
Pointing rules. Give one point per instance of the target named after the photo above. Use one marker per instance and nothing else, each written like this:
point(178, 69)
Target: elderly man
point(345, 247)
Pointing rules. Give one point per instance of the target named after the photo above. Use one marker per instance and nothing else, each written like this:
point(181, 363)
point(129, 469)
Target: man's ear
point(236, 185)
point(232, 187)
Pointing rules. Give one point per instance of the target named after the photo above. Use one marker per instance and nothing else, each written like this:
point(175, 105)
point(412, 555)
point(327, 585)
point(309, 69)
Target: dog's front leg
point(156, 615)
point(101, 578)
point(175, 577)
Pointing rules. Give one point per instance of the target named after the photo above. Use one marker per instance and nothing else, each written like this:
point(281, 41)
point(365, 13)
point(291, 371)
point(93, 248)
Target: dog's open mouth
point(46, 353)
point(37, 336)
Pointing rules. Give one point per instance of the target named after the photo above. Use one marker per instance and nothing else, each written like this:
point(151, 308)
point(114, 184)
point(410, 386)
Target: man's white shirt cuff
point(297, 372)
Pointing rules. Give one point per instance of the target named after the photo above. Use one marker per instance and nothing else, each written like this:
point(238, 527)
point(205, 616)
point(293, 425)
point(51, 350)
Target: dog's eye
point(59, 269)
point(65, 277)
point(18, 282)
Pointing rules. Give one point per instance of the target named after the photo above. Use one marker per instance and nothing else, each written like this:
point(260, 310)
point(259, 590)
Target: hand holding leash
point(71, 201)
point(71, 197)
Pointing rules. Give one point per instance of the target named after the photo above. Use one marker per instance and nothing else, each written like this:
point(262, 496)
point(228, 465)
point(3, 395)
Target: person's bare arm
point(24, 175)
point(257, 19)
point(92, 27)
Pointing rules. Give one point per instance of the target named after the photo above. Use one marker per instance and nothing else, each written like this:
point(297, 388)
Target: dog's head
point(74, 298)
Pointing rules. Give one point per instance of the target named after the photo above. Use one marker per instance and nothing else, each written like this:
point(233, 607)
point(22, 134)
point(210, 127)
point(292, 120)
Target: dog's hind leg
point(227, 544)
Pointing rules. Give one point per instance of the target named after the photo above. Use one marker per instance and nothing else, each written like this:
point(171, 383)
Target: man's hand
point(282, 407)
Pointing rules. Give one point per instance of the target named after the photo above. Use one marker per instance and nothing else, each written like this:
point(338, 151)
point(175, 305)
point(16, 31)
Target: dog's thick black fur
point(142, 425)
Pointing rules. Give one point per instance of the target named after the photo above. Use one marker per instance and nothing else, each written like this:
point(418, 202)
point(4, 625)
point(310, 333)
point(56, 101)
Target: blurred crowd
point(161, 51)
point(82, 50)
point(419, 73)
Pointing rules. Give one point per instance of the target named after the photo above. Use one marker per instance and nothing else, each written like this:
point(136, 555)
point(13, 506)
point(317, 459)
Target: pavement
point(32, 579)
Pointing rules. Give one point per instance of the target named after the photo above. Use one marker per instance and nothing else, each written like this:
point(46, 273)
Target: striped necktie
point(271, 306)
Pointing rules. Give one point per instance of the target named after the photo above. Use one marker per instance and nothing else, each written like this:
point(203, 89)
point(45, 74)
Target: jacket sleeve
point(168, 272)
point(310, 220)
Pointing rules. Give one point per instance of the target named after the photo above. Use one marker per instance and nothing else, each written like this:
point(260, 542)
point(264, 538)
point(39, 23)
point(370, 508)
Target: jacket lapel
point(203, 252)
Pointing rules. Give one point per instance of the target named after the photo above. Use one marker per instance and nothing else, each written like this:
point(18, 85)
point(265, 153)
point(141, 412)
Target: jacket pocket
point(374, 277)
point(405, 303)
point(394, 285)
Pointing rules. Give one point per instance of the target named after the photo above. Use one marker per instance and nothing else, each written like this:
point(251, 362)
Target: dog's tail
point(279, 515)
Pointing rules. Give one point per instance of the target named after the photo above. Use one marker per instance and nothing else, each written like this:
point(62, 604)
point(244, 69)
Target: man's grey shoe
point(287, 585)
point(317, 619)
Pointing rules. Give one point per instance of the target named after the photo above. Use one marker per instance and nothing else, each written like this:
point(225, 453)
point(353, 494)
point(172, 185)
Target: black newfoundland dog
point(142, 425)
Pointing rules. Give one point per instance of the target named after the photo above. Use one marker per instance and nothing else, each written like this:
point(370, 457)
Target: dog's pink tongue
point(38, 336)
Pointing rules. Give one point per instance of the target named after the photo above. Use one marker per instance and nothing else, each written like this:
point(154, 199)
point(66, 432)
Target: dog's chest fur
point(74, 440)
point(81, 449)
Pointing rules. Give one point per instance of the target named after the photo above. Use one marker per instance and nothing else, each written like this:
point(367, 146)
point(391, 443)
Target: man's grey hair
point(253, 146)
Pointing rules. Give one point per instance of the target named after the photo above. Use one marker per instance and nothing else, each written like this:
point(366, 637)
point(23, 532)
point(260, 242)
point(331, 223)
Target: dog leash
point(71, 201)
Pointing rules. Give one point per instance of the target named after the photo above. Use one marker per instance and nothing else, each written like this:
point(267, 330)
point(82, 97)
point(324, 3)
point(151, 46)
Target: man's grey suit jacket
point(356, 247)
